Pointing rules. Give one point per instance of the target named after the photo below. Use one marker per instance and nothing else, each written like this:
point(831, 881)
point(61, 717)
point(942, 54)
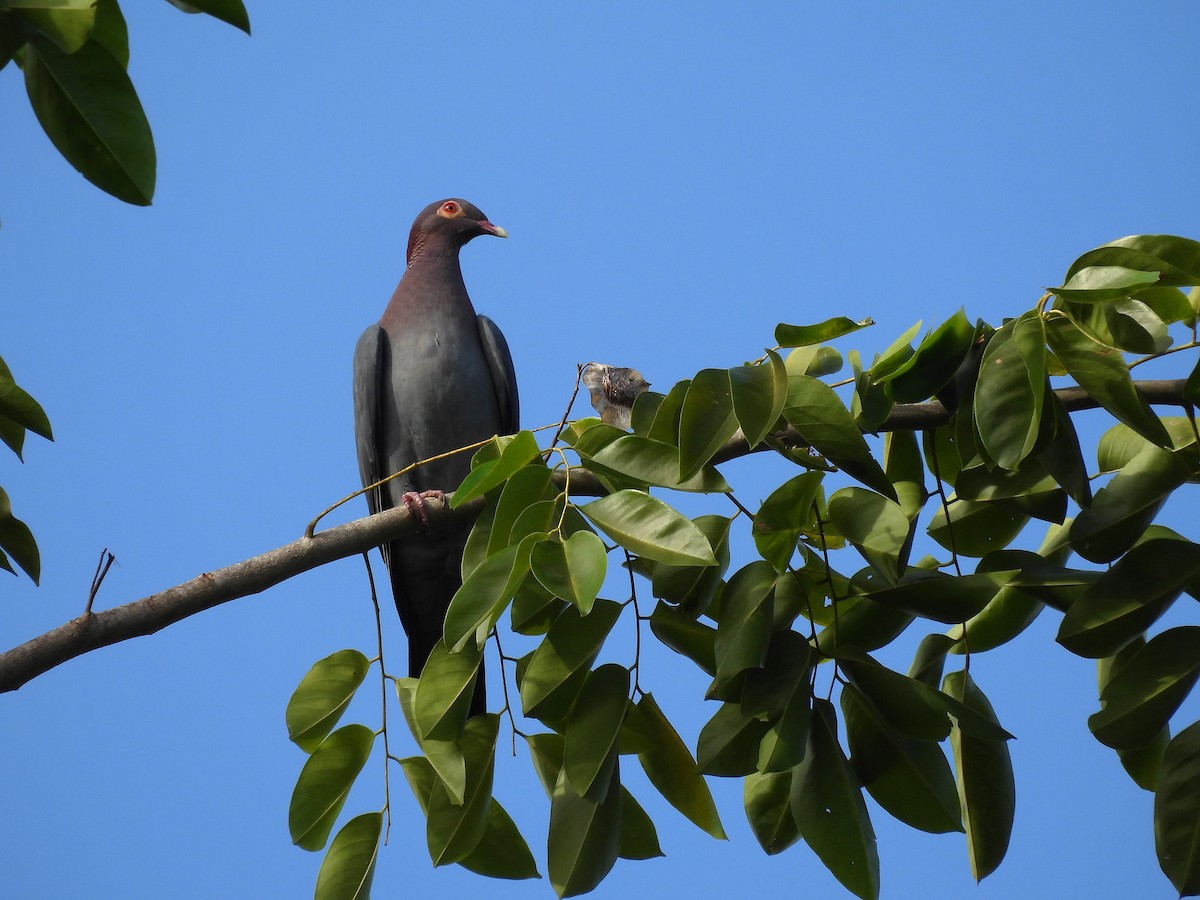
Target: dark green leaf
point(759, 393)
point(1105, 376)
point(695, 586)
point(232, 12)
point(110, 31)
point(910, 707)
point(1012, 389)
point(825, 423)
point(560, 663)
point(935, 362)
point(1177, 812)
point(1176, 258)
point(986, 790)
point(744, 629)
point(18, 406)
point(828, 808)
point(17, 541)
point(728, 743)
point(88, 108)
point(639, 838)
point(685, 636)
point(782, 517)
point(911, 779)
point(653, 462)
point(348, 868)
point(523, 490)
point(875, 525)
point(1143, 694)
point(806, 335)
point(665, 426)
point(444, 691)
point(452, 829)
point(1094, 284)
point(706, 421)
point(1124, 507)
point(941, 597)
point(324, 782)
point(502, 852)
point(585, 836)
point(769, 810)
point(976, 529)
point(591, 735)
point(1061, 456)
point(673, 771)
point(445, 758)
point(322, 696)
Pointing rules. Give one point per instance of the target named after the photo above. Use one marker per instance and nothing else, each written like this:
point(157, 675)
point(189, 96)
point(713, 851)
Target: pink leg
point(416, 502)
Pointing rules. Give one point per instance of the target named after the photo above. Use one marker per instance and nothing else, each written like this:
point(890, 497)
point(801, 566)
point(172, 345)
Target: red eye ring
point(450, 207)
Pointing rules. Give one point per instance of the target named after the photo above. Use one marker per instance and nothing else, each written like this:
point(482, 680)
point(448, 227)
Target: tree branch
point(150, 614)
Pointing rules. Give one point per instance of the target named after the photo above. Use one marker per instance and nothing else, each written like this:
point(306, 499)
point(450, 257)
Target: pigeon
point(430, 377)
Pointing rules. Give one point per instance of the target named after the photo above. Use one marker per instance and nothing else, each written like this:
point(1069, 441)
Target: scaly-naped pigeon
point(430, 377)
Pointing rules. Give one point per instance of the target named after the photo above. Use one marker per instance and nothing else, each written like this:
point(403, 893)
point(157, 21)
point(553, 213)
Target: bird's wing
point(504, 376)
point(368, 369)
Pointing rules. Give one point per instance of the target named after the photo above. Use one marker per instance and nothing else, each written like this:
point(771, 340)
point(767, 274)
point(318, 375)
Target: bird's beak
point(493, 229)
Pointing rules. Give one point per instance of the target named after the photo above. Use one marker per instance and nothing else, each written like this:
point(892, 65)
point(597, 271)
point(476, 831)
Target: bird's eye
point(450, 207)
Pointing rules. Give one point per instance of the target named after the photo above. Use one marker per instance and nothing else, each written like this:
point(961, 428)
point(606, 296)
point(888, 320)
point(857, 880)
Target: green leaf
point(560, 663)
point(232, 12)
point(744, 629)
point(910, 779)
point(348, 868)
point(67, 27)
point(1094, 284)
point(524, 488)
point(822, 332)
point(648, 527)
point(18, 406)
point(665, 427)
point(759, 393)
point(111, 32)
point(1061, 456)
point(1012, 389)
point(783, 516)
point(910, 707)
point(865, 625)
point(986, 790)
point(825, 423)
point(685, 636)
point(445, 757)
point(769, 810)
point(479, 603)
point(728, 743)
point(943, 598)
point(1177, 812)
point(322, 696)
point(653, 462)
point(1144, 763)
point(706, 421)
point(828, 808)
point(694, 587)
point(453, 830)
point(976, 528)
point(1176, 259)
point(324, 782)
point(1124, 507)
point(673, 771)
point(585, 836)
point(1143, 694)
point(88, 108)
point(444, 691)
point(936, 360)
point(903, 465)
point(573, 569)
point(895, 356)
point(502, 852)
point(595, 724)
point(781, 694)
point(521, 450)
point(1105, 376)
point(875, 525)
point(639, 838)
point(17, 541)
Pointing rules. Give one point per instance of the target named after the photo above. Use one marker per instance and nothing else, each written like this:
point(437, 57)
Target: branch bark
point(251, 576)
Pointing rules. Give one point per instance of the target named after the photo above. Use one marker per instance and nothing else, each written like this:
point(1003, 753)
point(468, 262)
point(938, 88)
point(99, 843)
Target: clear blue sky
point(676, 178)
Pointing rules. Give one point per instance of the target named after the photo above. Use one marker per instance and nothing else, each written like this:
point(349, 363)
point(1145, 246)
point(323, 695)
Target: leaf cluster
point(805, 709)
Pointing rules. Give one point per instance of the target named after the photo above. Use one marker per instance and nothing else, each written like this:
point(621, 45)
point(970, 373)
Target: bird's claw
point(416, 502)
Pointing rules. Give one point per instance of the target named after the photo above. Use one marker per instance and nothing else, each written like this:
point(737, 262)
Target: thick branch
point(150, 614)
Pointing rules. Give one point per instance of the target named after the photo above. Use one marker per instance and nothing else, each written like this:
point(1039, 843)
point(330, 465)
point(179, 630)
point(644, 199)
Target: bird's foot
point(416, 502)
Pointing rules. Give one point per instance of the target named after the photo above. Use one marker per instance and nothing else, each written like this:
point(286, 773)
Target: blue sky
point(675, 179)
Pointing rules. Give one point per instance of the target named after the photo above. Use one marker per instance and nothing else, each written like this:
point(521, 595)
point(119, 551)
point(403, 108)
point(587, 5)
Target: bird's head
point(451, 222)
